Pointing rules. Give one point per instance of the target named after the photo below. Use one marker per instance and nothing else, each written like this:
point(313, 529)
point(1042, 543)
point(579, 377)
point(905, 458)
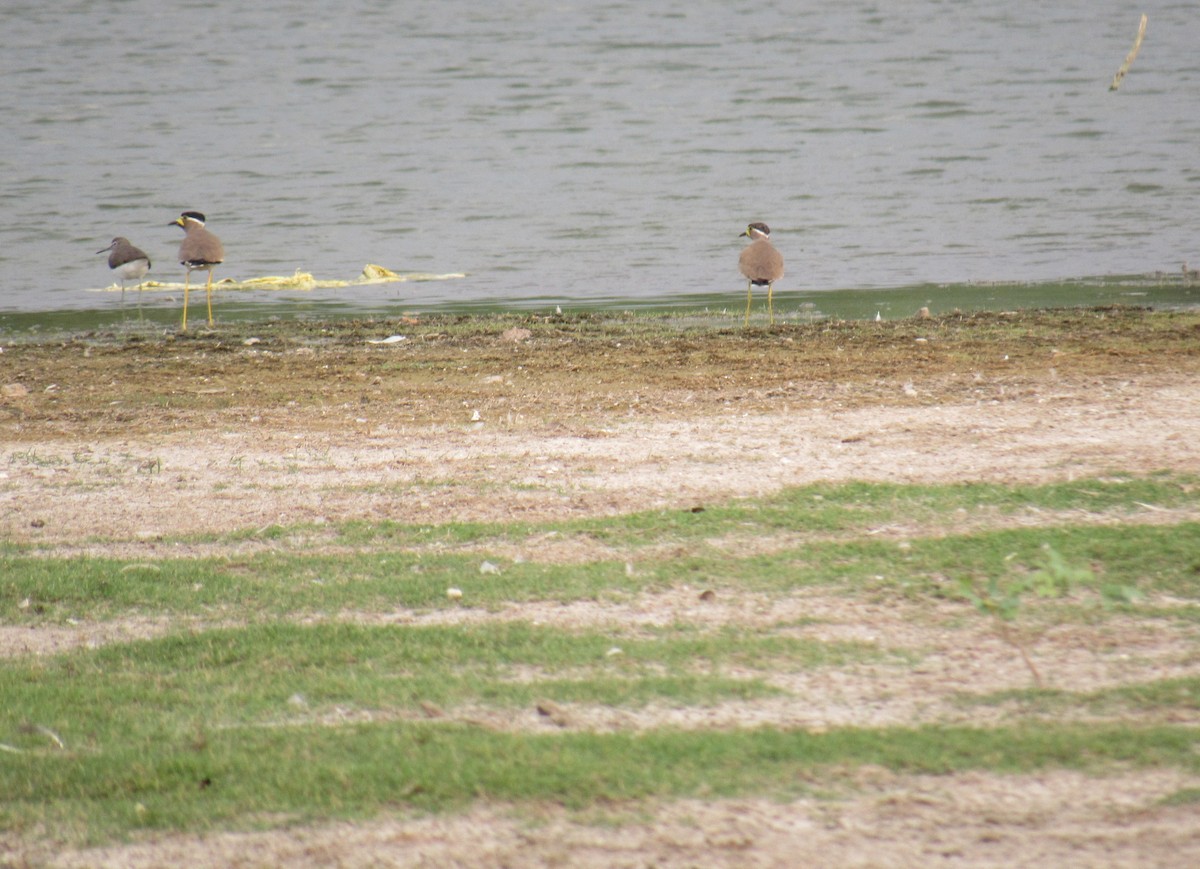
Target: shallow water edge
point(152, 310)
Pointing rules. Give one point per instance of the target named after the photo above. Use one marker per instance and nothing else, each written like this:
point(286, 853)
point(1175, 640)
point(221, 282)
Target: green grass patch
point(821, 509)
point(279, 672)
point(251, 670)
point(1162, 558)
point(203, 779)
point(1182, 797)
point(138, 735)
point(390, 566)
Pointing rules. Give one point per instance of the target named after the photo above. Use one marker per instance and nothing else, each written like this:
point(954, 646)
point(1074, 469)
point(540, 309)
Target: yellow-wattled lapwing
point(200, 250)
point(760, 264)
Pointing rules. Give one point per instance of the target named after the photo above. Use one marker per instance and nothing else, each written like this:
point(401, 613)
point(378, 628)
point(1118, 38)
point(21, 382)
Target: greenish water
point(158, 311)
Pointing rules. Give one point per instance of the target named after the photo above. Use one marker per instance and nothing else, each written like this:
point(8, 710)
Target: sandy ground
point(282, 472)
point(85, 472)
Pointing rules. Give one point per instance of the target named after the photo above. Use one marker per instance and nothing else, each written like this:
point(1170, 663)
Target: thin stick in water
point(1137, 44)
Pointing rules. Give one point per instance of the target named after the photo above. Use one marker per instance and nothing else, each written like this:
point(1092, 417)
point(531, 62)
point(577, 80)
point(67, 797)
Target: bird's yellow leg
point(187, 281)
point(770, 304)
point(210, 319)
point(749, 295)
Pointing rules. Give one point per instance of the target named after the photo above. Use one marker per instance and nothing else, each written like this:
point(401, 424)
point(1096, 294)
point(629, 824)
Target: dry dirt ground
point(118, 444)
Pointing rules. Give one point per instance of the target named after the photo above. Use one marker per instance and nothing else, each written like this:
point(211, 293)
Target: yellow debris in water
point(299, 281)
point(371, 274)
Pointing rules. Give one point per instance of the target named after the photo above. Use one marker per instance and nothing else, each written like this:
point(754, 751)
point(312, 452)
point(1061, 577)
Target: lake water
point(595, 154)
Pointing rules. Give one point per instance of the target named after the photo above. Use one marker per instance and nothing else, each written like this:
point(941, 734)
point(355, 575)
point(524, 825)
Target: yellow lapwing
point(200, 250)
point(760, 264)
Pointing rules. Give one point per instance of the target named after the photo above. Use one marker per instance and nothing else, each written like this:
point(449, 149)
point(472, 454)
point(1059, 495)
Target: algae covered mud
point(381, 293)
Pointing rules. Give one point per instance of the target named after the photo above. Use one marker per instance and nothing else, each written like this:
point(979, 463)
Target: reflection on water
point(598, 154)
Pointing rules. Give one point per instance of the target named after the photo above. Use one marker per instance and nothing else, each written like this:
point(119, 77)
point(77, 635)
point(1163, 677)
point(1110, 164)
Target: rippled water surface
point(595, 153)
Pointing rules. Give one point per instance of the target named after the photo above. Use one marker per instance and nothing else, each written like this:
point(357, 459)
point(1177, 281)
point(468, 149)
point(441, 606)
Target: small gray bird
point(128, 262)
point(200, 250)
point(760, 264)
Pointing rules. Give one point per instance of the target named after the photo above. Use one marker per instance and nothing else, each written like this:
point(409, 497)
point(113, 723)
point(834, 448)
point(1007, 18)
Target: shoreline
point(373, 301)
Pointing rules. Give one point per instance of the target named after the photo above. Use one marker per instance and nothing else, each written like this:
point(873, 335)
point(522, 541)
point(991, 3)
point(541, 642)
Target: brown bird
point(130, 263)
point(760, 264)
point(200, 250)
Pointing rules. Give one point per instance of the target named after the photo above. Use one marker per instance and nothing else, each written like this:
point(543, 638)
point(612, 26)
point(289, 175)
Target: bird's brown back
point(200, 247)
point(761, 263)
point(124, 253)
